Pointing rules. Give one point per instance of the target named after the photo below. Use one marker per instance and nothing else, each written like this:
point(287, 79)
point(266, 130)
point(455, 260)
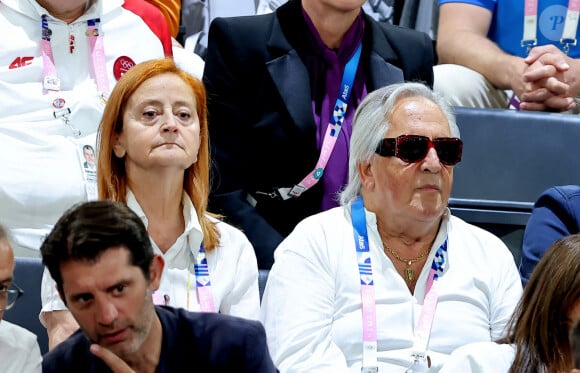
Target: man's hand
point(548, 80)
point(59, 326)
point(115, 363)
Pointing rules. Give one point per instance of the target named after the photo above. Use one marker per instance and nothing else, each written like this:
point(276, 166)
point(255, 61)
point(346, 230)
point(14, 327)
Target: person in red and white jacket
point(59, 61)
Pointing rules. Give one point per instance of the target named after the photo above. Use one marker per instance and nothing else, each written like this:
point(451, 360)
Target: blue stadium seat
point(509, 158)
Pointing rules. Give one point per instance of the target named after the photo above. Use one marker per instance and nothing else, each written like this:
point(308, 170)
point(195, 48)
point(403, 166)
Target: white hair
point(372, 121)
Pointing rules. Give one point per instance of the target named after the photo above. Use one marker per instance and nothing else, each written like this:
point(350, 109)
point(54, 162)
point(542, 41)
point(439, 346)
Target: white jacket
point(41, 172)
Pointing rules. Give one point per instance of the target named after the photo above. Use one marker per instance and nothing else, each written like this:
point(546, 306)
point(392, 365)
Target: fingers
point(115, 363)
point(554, 103)
point(538, 51)
point(541, 72)
point(544, 90)
point(532, 106)
point(556, 56)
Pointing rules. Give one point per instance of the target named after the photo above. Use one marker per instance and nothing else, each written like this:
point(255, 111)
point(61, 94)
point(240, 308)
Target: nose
point(169, 123)
point(431, 162)
point(106, 312)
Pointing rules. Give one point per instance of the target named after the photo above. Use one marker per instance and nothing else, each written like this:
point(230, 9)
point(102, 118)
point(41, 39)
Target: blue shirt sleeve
point(555, 215)
point(487, 4)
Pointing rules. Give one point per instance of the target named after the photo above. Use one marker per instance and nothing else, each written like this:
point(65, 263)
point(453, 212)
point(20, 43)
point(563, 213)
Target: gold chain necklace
point(409, 272)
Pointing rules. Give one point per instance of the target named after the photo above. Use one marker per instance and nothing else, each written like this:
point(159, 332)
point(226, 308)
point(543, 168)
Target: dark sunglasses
point(413, 148)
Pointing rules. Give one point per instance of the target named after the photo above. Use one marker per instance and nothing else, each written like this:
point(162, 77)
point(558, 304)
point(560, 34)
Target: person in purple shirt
point(274, 84)
point(556, 214)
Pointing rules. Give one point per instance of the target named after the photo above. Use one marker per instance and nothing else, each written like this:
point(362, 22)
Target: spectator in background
point(60, 62)
point(390, 279)
point(19, 350)
point(483, 51)
point(101, 257)
point(537, 338)
point(275, 99)
point(381, 10)
point(556, 214)
point(154, 157)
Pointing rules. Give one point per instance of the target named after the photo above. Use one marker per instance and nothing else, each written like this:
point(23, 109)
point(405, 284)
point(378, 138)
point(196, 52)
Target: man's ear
point(365, 173)
point(155, 271)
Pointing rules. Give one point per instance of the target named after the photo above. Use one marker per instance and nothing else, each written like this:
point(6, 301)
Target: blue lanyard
point(361, 243)
point(365, 269)
point(202, 281)
point(332, 130)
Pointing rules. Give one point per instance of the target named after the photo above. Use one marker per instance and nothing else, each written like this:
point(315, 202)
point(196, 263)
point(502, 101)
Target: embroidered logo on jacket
point(20, 62)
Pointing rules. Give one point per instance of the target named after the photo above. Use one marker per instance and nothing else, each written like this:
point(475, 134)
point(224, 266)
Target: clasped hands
point(547, 80)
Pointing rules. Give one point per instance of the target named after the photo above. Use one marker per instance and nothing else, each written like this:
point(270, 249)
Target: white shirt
point(311, 307)
point(232, 266)
point(19, 350)
point(42, 171)
point(481, 357)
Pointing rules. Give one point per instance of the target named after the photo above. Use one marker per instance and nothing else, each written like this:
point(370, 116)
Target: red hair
point(111, 173)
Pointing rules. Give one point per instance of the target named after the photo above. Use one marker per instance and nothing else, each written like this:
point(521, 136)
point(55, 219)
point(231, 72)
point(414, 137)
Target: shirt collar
point(192, 230)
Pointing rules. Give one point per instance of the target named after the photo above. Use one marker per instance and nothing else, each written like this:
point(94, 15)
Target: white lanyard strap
point(529, 39)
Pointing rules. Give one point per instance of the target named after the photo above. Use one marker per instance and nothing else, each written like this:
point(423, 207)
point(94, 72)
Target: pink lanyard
point(568, 38)
point(332, 130)
point(202, 282)
point(50, 80)
point(425, 322)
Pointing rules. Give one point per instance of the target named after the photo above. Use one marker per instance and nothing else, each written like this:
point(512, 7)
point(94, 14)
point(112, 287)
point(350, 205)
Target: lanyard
point(568, 38)
point(332, 131)
point(202, 281)
point(50, 81)
point(425, 322)
point(367, 290)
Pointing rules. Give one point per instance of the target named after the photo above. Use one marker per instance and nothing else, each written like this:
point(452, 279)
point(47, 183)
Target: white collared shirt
point(19, 350)
point(311, 307)
point(232, 266)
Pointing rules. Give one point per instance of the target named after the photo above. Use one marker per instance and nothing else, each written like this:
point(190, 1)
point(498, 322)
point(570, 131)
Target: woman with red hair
point(154, 156)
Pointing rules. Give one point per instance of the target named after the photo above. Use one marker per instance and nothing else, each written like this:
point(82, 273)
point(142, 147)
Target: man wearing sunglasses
point(389, 280)
point(19, 350)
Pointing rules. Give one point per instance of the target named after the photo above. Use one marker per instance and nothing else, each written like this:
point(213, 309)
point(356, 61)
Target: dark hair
point(539, 326)
point(575, 343)
point(88, 229)
point(88, 147)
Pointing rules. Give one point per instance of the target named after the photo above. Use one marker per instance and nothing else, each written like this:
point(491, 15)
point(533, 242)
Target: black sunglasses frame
point(449, 149)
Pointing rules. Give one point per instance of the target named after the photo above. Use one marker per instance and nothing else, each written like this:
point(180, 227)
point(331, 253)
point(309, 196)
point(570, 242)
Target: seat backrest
point(509, 158)
point(28, 276)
